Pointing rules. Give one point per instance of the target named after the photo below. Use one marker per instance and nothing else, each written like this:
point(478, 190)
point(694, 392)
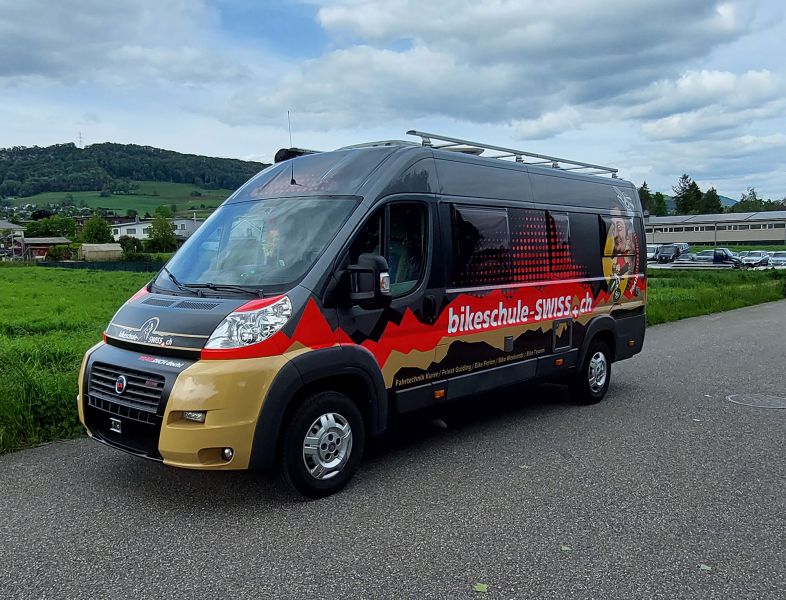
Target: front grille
point(142, 392)
point(135, 411)
point(143, 416)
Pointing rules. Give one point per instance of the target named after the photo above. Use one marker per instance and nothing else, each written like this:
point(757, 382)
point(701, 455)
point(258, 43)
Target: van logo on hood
point(148, 329)
point(147, 333)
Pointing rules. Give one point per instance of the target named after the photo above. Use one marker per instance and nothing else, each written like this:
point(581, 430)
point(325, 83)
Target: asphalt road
point(524, 492)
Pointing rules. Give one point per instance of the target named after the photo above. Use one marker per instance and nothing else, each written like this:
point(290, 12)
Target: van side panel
point(466, 177)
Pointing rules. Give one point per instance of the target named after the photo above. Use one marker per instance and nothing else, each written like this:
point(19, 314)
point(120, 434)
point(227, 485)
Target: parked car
point(667, 253)
point(652, 249)
point(778, 259)
point(724, 256)
point(717, 257)
point(756, 258)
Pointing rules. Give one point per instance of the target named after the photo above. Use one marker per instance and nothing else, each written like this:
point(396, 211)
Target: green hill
point(145, 199)
point(26, 172)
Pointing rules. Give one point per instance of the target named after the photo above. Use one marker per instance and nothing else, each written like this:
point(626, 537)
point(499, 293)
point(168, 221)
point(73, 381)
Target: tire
point(583, 388)
point(314, 462)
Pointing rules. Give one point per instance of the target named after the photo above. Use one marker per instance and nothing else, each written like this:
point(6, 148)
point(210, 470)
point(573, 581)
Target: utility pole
point(81, 143)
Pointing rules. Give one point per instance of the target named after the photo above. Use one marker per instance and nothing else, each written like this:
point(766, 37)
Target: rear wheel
point(323, 444)
point(591, 383)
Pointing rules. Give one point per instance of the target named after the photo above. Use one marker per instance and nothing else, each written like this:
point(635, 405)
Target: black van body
point(410, 277)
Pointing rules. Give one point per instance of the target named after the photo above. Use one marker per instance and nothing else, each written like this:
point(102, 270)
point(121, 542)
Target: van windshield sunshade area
point(263, 245)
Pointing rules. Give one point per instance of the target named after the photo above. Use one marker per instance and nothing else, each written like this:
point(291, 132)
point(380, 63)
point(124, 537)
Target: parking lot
point(665, 490)
point(683, 256)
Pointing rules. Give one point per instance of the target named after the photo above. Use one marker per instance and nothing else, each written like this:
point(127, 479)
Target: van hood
point(170, 322)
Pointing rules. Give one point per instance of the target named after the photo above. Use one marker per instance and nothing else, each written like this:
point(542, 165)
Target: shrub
point(57, 253)
point(130, 245)
point(97, 231)
point(162, 237)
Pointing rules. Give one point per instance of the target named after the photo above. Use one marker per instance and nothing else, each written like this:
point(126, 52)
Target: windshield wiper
point(177, 283)
point(220, 287)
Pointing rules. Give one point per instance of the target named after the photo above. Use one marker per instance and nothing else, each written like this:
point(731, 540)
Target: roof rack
point(380, 143)
point(518, 155)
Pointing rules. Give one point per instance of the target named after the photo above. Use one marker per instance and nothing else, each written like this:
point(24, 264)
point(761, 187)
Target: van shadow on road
point(410, 438)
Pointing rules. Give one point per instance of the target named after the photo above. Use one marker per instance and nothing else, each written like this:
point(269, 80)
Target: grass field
point(149, 196)
point(49, 317)
point(674, 294)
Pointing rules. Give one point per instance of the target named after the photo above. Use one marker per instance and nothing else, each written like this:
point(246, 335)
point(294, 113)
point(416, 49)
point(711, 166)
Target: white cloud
point(657, 89)
point(548, 124)
point(122, 42)
point(697, 89)
point(709, 121)
point(729, 164)
point(490, 61)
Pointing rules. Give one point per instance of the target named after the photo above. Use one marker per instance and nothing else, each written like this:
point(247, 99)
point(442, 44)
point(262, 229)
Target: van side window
point(369, 238)
point(406, 247)
point(529, 236)
point(561, 258)
point(397, 232)
point(482, 246)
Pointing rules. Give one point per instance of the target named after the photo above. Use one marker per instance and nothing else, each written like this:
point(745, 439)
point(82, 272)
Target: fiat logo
point(120, 384)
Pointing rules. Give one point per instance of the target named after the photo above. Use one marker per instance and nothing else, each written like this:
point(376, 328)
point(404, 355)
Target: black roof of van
point(375, 171)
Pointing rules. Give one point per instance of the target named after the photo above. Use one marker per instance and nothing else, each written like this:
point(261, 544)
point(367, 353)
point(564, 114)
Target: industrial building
point(721, 229)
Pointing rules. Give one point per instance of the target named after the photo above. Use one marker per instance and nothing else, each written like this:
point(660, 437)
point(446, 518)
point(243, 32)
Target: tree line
point(67, 168)
point(690, 200)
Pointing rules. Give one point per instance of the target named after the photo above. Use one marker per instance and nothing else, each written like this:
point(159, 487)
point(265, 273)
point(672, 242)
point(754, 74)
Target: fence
point(136, 267)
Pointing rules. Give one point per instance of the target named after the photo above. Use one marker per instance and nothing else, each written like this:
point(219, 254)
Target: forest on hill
point(68, 168)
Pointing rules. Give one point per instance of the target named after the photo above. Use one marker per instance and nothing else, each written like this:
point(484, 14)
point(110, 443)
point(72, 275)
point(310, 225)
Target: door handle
point(430, 308)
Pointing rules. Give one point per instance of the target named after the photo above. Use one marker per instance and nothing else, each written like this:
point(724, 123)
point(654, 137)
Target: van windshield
point(263, 245)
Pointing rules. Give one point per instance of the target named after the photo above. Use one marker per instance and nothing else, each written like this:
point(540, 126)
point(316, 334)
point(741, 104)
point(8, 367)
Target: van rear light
point(252, 323)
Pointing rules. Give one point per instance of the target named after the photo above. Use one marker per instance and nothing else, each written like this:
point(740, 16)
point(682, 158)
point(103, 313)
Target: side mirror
point(370, 281)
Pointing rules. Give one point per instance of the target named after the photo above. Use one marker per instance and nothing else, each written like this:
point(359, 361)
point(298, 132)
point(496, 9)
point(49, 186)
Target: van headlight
point(250, 325)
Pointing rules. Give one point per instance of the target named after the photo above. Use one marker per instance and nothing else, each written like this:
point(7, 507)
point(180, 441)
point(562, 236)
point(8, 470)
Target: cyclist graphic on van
point(621, 257)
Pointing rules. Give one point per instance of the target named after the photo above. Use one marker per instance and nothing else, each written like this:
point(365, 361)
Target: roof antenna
point(291, 160)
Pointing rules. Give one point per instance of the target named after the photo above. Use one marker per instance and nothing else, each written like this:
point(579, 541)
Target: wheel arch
point(603, 328)
point(351, 370)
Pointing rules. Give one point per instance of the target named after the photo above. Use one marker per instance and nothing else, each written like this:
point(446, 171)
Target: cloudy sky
point(654, 88)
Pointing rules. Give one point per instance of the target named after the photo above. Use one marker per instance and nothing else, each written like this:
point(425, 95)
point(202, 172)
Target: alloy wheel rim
point(598, 370)
point(327, 446)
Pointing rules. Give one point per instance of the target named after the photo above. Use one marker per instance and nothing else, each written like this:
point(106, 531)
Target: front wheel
point(323, 444)
point(591, 383)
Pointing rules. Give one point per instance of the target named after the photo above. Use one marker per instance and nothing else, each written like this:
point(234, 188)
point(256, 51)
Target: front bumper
point(230, 392)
